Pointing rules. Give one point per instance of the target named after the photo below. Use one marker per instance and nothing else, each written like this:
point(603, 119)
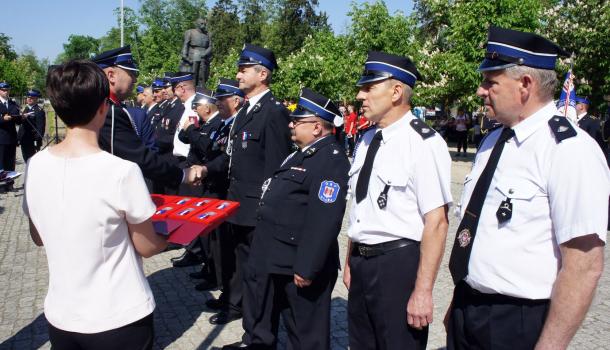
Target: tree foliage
point(22, 71)
point(79, 47)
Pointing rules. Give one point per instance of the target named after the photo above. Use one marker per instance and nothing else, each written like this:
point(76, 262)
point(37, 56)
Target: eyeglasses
point(297, 122)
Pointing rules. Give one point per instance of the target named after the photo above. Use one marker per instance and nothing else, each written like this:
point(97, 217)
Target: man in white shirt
point(529, 250)
point(400, 181)
point(184, 89)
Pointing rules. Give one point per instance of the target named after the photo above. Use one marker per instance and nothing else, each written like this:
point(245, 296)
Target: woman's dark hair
point(76, 90)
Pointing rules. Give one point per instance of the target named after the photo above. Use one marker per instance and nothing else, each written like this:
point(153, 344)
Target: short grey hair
point(260, 67)
point(408, 90)
point(546, 78)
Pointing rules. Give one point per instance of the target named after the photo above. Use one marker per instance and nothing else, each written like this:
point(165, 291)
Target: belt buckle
point(362, 250)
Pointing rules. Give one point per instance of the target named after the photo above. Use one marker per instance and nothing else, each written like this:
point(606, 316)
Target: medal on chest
point(244, 140)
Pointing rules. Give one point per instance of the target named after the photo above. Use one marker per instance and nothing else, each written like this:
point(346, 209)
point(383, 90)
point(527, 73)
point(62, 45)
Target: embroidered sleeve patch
point(329, 190)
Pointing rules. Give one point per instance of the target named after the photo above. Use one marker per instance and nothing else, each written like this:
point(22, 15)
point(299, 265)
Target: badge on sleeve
point(329, 190)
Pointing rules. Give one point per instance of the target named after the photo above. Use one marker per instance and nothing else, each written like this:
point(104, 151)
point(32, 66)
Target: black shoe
point(206, 285)
point(224, 317)
point(234, 346)
point(187, 259)
point(215, 304)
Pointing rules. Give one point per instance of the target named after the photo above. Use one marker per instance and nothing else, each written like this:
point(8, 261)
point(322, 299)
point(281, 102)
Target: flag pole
point(122, 16)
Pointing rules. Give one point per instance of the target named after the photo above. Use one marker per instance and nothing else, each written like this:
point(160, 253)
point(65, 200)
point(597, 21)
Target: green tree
point(452, 43)
point(79, 47)
point(164, 24)
point(581, 27)
point(224, 27)
point(254, 19)
point(294, 21)
point(112, 39)
point(6, 50)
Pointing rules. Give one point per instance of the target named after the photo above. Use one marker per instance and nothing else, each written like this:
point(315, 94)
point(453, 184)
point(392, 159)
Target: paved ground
point(181, 317)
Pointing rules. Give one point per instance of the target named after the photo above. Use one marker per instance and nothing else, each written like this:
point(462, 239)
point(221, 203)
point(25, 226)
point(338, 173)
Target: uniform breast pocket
point(394, 180)
point(520, 201)
point(294, 176)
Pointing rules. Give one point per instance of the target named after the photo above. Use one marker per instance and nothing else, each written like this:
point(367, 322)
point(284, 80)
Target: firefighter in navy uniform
point(199, 133)
point(155, 113)
point(32, 128)
point(588, 122)
point(119, 136)
point(259, 142)
point(295, 241)
point(9, 118)
point(222, 246)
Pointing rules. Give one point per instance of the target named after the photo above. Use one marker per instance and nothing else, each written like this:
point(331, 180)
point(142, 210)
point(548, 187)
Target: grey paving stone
point(181, 319)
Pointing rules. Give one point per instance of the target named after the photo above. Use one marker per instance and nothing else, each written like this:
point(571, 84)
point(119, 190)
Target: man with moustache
point(401, 181)
point(295, 241)
point(119, 135)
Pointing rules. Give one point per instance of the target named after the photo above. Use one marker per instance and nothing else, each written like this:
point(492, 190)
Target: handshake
point(195, 174)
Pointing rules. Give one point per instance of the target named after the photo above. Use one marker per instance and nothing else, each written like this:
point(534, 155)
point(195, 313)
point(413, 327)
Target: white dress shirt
point(182, 149)
point(558, 191)
point(418, 172)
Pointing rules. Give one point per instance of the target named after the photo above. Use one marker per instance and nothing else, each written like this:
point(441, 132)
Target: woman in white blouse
point(91, 211)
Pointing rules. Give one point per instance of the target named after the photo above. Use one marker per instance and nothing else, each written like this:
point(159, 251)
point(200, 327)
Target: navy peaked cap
point(507, 48)
point(139, 89)
point(181, 76)
point(228, 87)
point(380, 66)
point(120, 57)
point(4, 85)
point(252, 54)
point(33, 93)
point(312, 103)
point(582, 100)
point(203, 96)
point(158, 84)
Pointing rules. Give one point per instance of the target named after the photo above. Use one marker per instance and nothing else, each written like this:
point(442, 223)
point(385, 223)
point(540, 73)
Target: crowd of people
point(527, 255)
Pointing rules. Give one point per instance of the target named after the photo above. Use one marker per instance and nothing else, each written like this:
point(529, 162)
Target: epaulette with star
point(561, 128)
point(422, 128)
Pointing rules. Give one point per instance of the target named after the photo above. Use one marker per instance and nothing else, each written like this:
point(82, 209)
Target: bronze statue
point(197, 52)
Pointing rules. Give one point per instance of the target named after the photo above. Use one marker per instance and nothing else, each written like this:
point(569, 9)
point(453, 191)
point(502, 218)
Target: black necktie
point(240, 115)
point(362, 185)
point(464, 238)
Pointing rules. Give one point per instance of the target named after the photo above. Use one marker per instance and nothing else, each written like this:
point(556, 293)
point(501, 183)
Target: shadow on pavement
point(32, 336)
point(178, 308)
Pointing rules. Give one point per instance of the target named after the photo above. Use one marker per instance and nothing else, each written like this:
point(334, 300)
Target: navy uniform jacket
point(129, 146)
point(37, 121)
point(166, 128)
point(261, 141)
point(199, 139)
point(217, 181)
point(154, 116)
point(301, 211)
point(145, 130)
point(593, 127)
point(8, 129)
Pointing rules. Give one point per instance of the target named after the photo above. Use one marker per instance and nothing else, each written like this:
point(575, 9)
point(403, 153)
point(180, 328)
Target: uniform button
point(275, 176)
point(262, 203)
point(358, 220)
point(258, 218)
point(511, 191)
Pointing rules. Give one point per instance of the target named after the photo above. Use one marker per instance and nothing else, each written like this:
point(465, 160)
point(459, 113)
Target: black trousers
point(138, 335)
point(494, 321)
point(28, 149)
point(379, 291)
point(462, 140)
point(222, 246)
point(242, 240)
point(305, 311)
point(7, 156)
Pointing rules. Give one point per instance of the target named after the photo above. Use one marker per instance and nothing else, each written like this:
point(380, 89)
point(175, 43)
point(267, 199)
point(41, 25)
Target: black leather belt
point(370, 250)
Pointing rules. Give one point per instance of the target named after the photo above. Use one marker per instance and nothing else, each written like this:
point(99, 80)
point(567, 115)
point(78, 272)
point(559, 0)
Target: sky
point(44, 25)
